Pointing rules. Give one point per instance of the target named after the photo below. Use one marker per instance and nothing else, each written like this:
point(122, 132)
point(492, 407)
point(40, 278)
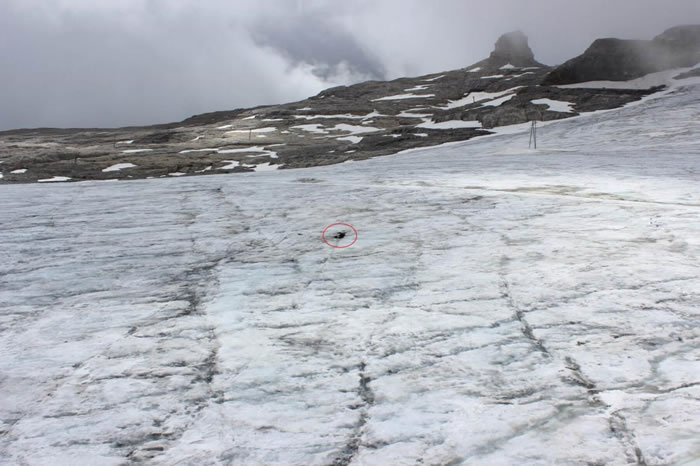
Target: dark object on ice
point(339, 235)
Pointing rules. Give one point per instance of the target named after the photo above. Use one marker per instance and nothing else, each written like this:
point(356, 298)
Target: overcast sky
point(90, 63)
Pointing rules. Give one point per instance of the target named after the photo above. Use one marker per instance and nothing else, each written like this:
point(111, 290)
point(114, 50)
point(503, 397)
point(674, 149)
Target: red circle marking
point(323, 235)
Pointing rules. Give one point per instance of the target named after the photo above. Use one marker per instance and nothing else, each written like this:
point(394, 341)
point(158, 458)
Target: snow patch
point(261, 149)
point(352, 139)
point(118, 166)
point(354, 129)
point(410, 114)
point(231, 164)
point(268, 129)
point(209, 149)
point(420, 87)
point(475, 97)
point(54, 179)
point(555, 105)
point(452, 124)
point(311, 128)
point(136, 151)
point(346, 116)
point(404, 96)
point(264, 167)
point(498, 102)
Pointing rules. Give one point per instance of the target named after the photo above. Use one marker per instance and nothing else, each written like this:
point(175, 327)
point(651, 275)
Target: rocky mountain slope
point(340, 124)
point(619, 60)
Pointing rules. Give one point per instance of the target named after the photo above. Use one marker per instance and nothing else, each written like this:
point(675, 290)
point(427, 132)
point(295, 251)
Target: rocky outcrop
point(622, 60)
point(511, 49)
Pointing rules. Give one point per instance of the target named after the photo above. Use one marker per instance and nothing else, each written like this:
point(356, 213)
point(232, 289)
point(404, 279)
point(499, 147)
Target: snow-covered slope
point(500, 306)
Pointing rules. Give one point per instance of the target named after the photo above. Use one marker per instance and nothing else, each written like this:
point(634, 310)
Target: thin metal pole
point(534, 130)
point(533, 135)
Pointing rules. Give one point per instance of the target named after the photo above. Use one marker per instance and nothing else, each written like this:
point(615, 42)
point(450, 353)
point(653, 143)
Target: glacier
point(500, 306)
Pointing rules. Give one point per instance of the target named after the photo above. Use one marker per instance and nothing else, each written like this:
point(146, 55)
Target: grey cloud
point(312, 40)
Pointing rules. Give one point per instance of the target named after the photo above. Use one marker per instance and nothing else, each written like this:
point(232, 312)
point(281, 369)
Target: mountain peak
point(513, 48)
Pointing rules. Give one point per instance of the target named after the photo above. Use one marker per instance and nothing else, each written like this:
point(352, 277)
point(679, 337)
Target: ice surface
point(118, 166)
point(501, 306)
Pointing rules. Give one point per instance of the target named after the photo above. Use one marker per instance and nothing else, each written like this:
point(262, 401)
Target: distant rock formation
point(622, 60)
point(511, 49)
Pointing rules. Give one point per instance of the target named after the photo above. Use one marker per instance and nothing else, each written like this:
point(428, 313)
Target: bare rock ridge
point(354, 122)
point(622, 60)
